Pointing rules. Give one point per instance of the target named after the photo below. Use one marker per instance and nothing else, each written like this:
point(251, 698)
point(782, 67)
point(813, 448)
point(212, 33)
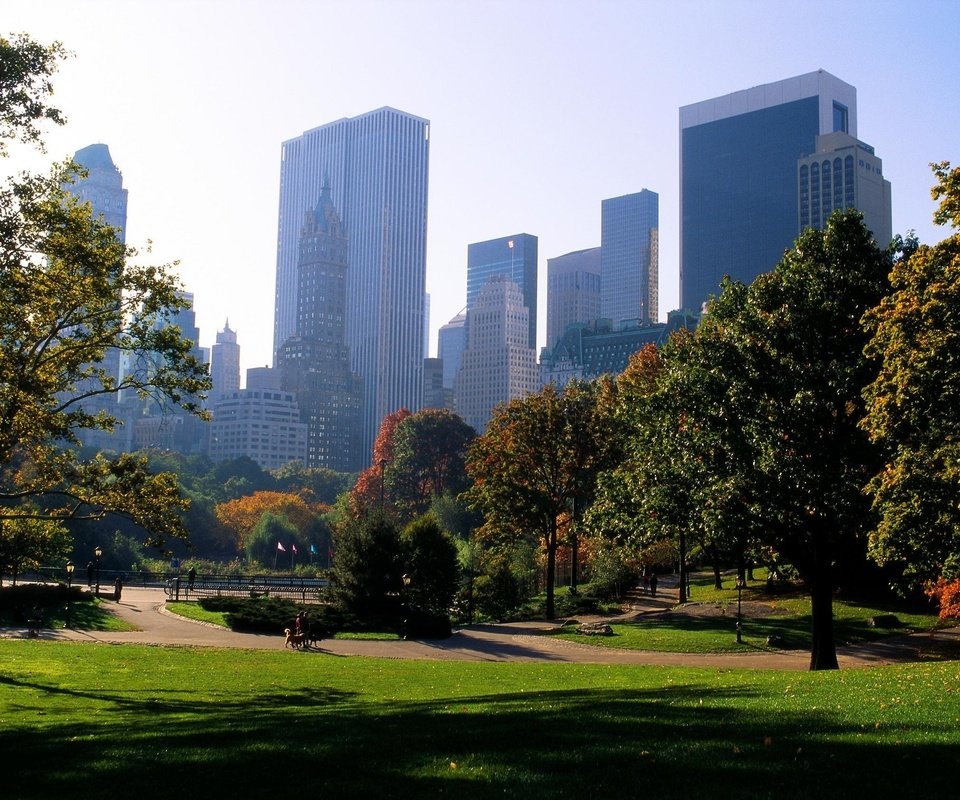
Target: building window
point(841, 118)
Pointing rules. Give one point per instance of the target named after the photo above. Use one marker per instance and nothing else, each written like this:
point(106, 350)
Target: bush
point(498, 595)
point(570, 604)
point(263, 615)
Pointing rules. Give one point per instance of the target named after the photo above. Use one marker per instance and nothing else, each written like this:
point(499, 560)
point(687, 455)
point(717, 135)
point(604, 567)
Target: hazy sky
point(539, 110)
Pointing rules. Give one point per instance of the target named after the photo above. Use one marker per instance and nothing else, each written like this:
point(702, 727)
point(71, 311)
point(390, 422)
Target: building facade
point(451, 342)
point(262, 424)
point(573, 291)
point(844, 173)
point(225, 362)
point(511, 257)
point(377, 164)
point(314, 363)
point(629, 257)
point(498, 364)
point(739, 154)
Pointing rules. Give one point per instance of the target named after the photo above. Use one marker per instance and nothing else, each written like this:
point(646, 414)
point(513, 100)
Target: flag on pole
point(313, 549)
point(293, 547)
point(281, 548)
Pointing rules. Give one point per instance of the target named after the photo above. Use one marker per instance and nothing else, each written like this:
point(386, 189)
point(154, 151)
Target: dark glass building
point(629, 257)
point(739, 202)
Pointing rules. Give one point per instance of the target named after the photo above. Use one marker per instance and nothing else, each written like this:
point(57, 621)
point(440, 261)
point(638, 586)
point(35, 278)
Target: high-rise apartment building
point(739, 194)
point(225, 362)
point(573, 291)
point(844, 173)
point(377, 164)
point(315, 362)
point(511, 257)
point(629, 257)
point(498, 364)
point(262, 424)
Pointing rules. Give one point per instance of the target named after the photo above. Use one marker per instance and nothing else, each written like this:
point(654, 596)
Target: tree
point(914, 403)
point(431, 566)
point(539, 455)
point(367, 576)
point(244, 514)
point(27, 544)
point(369, 492)
point(69, 292)
point(429, 453)
point(271, 532)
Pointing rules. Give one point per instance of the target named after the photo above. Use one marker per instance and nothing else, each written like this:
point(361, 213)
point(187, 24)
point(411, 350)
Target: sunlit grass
point(205, 722)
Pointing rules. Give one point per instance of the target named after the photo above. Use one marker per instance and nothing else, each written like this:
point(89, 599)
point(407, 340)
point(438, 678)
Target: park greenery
point(809, 423)
point(205, 722)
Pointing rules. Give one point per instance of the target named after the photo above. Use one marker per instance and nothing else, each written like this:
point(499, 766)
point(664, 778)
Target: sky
point(539, 110)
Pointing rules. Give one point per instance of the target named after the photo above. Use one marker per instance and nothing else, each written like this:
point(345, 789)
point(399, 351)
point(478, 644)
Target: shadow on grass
point(669, 742)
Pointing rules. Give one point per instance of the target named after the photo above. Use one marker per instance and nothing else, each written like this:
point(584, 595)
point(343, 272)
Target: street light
point(70, 568)
point(406, 604)
point(98, 552)
point(740, 585)
point(383, 473)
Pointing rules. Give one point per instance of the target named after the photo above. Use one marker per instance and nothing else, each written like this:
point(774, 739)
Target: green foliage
point(27, 544)
point(366, 580)
point(271, 530)
point(914, 403)
point(69, 293)
point(431, 565)
point(498, 594)
point(429, 451)
point(263, 615)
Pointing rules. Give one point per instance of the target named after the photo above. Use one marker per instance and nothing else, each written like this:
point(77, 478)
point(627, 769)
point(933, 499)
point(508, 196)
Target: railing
point(303, 590)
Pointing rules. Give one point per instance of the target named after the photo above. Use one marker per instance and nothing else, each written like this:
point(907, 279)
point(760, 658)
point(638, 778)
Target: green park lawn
point(157, 722)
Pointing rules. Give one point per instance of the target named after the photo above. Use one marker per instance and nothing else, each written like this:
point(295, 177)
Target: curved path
point(144, 608)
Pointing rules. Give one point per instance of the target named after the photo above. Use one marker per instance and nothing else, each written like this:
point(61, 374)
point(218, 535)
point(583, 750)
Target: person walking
point(653, 584)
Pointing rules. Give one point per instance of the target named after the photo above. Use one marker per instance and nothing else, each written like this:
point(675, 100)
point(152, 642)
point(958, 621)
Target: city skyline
point(532, 140)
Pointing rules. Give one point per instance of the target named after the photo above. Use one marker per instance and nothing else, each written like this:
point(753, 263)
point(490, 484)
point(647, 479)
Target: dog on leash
point(294, 640)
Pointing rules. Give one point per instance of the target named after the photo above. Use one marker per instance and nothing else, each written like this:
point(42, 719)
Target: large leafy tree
point(369, 492)
point(539, 455)
point(69, 292)
point(797, 372)
point(914, 403)
point(429, 455)
point(243, 514)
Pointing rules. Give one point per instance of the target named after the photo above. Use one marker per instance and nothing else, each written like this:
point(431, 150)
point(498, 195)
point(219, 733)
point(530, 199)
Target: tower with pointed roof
point(225, 362)
point(314, 363)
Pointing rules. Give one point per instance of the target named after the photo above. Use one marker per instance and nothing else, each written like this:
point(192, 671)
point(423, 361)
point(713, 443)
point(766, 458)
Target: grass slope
point(163, 722)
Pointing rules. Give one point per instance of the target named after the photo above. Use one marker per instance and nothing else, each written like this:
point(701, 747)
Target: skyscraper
point(451, 341)
point(629, 257)
point(225, 362)
point(315, 362)
point(103, 189)
point(573, 291)
point(739, 200)
point(377, 164)
point(499, 364)
point(513, 257)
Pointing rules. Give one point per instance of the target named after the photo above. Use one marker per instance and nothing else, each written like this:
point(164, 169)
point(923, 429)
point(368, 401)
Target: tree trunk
point(683, 567)
point(574, 548)
point(551, 567)
point(823, 654)
point(717, 579)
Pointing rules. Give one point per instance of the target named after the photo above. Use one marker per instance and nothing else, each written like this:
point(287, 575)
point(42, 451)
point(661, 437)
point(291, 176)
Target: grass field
point(167, 722)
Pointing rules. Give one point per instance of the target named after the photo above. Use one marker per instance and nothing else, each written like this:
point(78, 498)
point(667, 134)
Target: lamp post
point(98, 552)
point(740, 584)
point(406, 603)
point(70, 568)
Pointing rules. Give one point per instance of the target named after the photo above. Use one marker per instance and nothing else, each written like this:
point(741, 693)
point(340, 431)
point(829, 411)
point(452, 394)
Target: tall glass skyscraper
point(738, 175)
point(629, 257)
point(377, 164)
point(511, 257)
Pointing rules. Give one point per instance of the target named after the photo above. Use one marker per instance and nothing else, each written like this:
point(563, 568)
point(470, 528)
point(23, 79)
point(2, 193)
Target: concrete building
point(498, 364)
point(263, 424)
point(225, 362)
point(573, 291)
point(511, 257)
point(315, 362)
point(377, 164)
point(629, 257)
point(739, 156)
point(844, 173)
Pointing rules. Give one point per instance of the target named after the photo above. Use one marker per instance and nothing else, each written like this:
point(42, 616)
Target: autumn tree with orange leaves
point(368, 492)
point(243, 514)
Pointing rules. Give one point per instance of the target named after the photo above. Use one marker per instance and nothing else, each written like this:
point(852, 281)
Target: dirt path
point(522, 641)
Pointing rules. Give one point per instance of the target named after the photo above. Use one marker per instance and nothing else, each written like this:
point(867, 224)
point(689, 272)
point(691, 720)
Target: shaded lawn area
point(701, 627)
point(162, 722)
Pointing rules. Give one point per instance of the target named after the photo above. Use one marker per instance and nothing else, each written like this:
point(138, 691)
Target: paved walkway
point(521, 641)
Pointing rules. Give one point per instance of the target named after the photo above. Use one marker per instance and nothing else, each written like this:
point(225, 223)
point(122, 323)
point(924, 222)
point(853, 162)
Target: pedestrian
point(191, 577)
point(89, 574)
point(653, 585)
point(117, 588)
